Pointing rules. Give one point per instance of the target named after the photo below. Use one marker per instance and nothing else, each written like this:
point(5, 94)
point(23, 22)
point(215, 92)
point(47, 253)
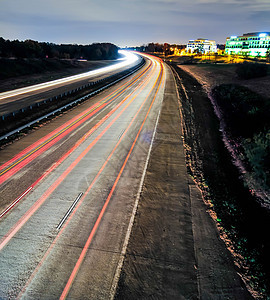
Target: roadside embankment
point(241, 220)
point(240, 96)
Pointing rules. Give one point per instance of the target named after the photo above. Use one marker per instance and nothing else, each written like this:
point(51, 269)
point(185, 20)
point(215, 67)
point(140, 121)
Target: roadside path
point(174, 250)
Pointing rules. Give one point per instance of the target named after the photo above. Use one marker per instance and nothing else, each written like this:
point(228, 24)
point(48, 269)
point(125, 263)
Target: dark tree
point(34, 49)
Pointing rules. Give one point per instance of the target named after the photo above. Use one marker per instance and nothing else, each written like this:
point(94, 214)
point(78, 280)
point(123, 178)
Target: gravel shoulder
point(174, 249)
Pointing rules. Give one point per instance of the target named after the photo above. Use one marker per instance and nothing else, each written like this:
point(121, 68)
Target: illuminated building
point(250, 44)
point(201, 46)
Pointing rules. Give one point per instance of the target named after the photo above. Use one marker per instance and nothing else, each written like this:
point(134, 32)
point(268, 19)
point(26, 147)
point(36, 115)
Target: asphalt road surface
point(174, 250)
point(97, 204)
point(74, 183)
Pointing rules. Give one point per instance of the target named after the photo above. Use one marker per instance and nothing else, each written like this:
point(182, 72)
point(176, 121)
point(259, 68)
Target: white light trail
point(128, 60)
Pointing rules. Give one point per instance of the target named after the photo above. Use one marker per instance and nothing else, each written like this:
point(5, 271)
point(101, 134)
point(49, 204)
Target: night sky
point(131, 22)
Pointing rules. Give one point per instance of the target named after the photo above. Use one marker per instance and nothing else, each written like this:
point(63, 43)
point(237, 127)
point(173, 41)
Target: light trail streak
point(130, 58)
point(73, 121)
point(7, 237)
point(26, 156)
point(82, 198)
point(55, 165)
point(89, 240)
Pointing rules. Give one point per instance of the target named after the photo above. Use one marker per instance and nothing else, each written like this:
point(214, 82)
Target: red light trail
point(143, 104)
point(41, 200)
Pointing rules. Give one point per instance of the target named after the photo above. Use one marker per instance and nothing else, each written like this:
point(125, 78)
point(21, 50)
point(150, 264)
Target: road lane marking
point(7, 237)
point(69, 211)
point(130, 82)
point(73, 148)
point(79, 203)
point(96, 225)
point(132, 218)
point(78, 120)
point(15, 202)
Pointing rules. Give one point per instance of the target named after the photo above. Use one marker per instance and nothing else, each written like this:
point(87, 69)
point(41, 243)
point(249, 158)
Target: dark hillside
point(31, 62)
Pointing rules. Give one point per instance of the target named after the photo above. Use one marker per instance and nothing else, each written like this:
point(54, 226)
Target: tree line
point(155, 48)
point(34, 49)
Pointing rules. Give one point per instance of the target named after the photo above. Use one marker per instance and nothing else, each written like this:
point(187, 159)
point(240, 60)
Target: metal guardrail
point(113, 79)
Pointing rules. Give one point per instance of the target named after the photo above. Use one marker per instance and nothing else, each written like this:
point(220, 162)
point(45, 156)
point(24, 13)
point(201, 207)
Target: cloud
point(124, 21)
point(263, 16)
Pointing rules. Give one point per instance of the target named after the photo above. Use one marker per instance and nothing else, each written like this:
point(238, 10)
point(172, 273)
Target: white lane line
point(132, 218)
point(15, 202)
point(69, 211)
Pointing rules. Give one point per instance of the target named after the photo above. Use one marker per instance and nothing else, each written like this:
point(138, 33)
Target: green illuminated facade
point(250, 44)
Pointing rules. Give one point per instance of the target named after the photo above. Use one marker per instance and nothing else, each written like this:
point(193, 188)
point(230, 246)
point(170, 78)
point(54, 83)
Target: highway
point(69, 191)
point(20, 98)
